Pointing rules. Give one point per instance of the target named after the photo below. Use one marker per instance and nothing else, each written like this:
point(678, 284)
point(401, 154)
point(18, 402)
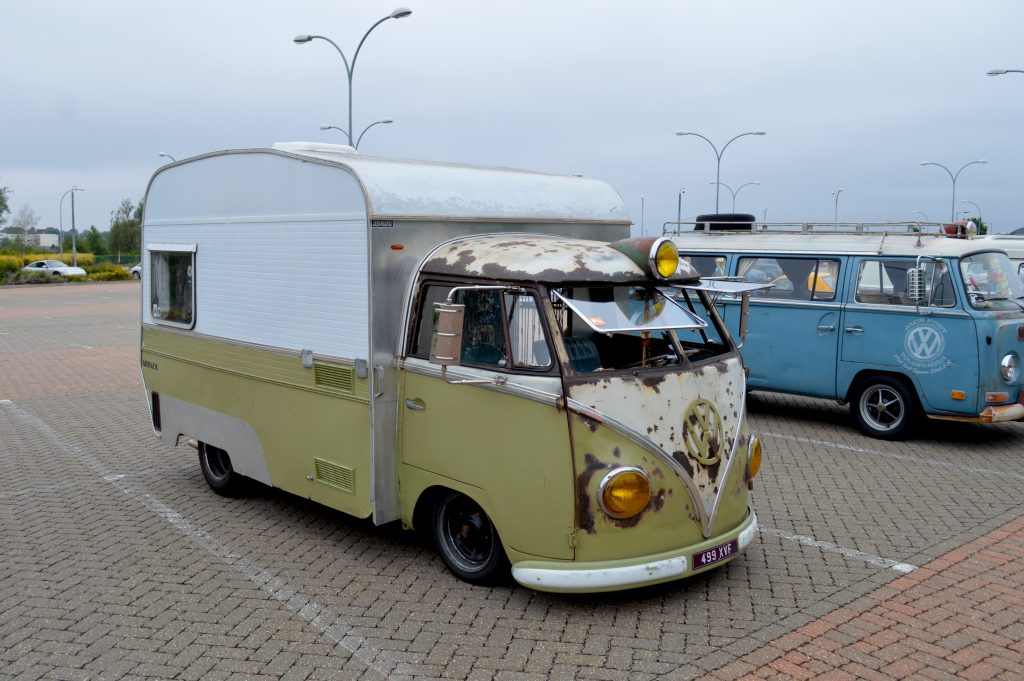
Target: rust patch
point(617, 453)
point(653, 382)
point(585, 513)
point(684, 460)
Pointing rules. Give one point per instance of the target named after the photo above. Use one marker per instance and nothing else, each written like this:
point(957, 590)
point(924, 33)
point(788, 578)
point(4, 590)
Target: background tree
point(25, 221)
point(5, 193)
point(94, 241)
point(125, 234)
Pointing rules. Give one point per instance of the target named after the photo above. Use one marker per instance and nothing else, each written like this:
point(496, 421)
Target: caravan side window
point(793, 278)
point(172, 287)
point(707, 265)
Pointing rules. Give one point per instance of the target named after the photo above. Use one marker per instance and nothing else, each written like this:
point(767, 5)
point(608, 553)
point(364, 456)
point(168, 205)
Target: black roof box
point(725, 222)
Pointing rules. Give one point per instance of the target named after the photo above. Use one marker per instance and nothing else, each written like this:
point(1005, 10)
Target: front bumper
point(614, 575)
point(996, 414)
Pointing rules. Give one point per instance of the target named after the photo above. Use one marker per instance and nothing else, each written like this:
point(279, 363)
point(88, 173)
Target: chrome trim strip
point(812, 304)
point(907, 309)
point(424, 368)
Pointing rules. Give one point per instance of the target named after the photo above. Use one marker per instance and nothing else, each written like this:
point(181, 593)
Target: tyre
point(136, 275)
point(884, 408)
point(467, 540)
point(215, 464)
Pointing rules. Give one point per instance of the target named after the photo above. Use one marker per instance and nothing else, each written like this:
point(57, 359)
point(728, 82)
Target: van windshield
point(609, 328)
point(991, 282)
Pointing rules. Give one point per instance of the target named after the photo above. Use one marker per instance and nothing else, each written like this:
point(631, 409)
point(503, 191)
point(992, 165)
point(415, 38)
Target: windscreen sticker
point(924, 345)
point(597, 321)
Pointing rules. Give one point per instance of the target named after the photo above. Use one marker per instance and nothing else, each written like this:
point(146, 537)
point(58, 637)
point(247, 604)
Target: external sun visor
point(627, 313)
point(723, 286)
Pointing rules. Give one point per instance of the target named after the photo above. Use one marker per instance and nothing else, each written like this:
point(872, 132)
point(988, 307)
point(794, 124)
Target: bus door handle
point(416, 405)
point(828, 327)
point(854, 329)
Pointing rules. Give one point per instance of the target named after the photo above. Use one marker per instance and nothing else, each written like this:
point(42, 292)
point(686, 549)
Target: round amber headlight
point(664, 258)
point(754, 458)
point(625, 492)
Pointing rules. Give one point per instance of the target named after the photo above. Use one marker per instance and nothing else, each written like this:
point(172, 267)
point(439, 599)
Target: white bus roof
point(838, 243)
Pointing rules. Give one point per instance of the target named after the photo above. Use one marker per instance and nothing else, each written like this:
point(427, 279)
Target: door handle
point(854, 329)
point(828, 328)
point(416, 405)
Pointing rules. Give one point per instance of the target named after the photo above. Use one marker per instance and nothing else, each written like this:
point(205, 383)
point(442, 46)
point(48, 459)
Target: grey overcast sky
point(852, 94)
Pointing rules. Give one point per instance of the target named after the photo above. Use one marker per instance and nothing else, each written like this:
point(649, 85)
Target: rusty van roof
point(540, 258)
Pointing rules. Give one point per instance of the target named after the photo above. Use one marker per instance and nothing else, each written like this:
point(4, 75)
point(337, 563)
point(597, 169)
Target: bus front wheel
point(883, 408)
point(467, 540)
point(215, 464)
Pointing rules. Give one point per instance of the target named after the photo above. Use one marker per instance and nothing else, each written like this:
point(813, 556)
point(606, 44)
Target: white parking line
point(899, 457)
point(852, 554)
point(319, 616)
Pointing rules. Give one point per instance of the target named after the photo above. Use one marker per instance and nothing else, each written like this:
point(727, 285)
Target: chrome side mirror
point(915, 285)
point(446, 341)
point(744, 313)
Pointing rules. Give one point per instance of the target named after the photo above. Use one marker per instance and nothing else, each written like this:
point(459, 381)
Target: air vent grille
point(333, 376)
point(334, 475)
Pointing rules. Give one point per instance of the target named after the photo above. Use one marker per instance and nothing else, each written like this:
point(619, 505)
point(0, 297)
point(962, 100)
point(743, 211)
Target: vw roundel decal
point(924, 346)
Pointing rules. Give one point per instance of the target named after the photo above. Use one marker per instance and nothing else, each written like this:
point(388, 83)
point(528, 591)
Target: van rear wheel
point(883, 408)
point(467, 540)
point(218, 472)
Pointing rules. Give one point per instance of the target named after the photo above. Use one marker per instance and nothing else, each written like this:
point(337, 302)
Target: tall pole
point(642, 201)
point(679, 207)
point(74, 249)
point(63, 196)
point(836, 193)
point(736, 193)
point(976, 207)
point(952, 176)
point(350, 68)
point(718, 155)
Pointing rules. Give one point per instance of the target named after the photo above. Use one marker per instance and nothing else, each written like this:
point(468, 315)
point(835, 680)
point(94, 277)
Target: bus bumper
point(1000, 414)
point(614, 575)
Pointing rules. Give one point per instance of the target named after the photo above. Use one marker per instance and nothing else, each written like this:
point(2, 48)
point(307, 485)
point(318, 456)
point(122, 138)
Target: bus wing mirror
point(915, 285)
point(446, 342)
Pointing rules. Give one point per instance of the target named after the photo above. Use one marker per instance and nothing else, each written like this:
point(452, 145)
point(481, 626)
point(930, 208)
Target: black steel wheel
point(218, 472)
point(884, 408)
point(467, 540)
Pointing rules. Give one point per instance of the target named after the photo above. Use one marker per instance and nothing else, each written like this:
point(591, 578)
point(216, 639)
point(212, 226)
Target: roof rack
point(711, 225)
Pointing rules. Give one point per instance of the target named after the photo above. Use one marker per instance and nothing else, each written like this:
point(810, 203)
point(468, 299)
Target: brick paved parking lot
point(875, 559)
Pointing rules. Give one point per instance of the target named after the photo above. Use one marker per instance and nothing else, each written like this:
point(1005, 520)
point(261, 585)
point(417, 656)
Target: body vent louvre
point(333, 376)
point(335, 475)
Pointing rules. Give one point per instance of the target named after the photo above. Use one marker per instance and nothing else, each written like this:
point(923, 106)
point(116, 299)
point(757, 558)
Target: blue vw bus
point(897, 324)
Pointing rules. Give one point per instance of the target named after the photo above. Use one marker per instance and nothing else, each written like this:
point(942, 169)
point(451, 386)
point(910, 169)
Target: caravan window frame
point(154, 273)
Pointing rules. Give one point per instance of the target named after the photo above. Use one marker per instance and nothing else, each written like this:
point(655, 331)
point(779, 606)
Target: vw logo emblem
point(924, 343)
point(702, 427)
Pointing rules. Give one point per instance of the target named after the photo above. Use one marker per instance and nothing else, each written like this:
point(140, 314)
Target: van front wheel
point(215, 464)
point(466, 540)
point(883, 408)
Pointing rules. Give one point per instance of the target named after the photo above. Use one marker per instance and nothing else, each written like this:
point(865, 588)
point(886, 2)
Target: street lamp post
point(679, 207)
point(734, 193)
point(953, 176)
point(976, 207)
point(922, 214)
point(71, 191)
point(385, 121)
point(1000, 72)
point(836, 193)
point(166, 155)
point(350, 68)
point(718, 154)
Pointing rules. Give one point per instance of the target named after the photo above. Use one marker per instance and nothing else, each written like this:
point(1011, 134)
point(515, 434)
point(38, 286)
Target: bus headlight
point(624, 492)
point(1009, 368)
point(754, 453)
point(664, 258)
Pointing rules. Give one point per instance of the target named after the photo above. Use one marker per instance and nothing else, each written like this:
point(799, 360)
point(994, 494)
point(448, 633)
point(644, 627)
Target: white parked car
point(54, 267)
point(136, 271)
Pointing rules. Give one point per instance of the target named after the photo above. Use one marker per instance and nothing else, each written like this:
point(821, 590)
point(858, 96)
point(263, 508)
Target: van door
point(935, 345)
point(502, 441)
point(792, 341)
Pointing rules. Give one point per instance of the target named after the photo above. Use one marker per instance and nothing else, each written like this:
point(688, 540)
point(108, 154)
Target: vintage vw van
point(895, 323)
point(480, 353)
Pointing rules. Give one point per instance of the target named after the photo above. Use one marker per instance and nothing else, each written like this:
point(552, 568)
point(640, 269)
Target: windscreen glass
point(991, 282)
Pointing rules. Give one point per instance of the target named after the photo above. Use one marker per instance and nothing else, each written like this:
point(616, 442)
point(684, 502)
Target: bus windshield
point(991, 282)
point(609, 328)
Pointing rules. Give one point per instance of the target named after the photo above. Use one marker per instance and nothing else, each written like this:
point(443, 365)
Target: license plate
point(715, 555)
